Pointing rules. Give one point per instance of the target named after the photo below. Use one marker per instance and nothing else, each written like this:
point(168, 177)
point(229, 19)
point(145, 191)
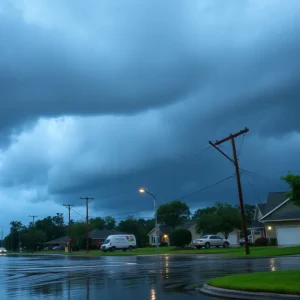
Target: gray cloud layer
point(101, 98)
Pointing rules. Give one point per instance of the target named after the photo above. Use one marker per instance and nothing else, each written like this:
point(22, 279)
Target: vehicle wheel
point(225, 245)
point(130, 248)
point(207, 245)
point(113, 249)
point(199, 247)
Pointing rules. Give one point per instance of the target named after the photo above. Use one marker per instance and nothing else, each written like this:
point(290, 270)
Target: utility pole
point(33, 231)
point(235, 161)
point(87, 220)
point(69, 206)
point(33, 217)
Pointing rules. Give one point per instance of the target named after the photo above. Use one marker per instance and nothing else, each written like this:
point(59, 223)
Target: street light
point(143, 191)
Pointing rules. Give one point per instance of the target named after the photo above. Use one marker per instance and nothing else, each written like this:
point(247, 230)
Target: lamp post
point(143, 191)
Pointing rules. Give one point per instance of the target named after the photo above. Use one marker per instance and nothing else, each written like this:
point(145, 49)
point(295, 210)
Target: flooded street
point(166, 277)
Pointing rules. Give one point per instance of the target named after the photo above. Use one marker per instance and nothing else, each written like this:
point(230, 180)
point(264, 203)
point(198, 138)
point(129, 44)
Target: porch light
point(269, 228)
point(165, 236)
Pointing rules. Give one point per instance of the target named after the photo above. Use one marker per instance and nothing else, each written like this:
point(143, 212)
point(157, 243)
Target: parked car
point(119, 242)
point(208, 241)
point(3, 250)
point(250, 240)
point(58, 248)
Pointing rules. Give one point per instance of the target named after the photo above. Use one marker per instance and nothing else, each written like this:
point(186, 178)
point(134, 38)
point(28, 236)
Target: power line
point(87, 220)
point(235, 161)
point(243, 138)
point(205, 188)
point(69, 206)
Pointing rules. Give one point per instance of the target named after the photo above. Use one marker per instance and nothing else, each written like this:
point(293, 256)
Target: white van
point(119, 242)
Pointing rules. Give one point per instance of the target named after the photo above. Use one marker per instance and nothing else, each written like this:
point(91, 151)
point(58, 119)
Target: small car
point(3, 250)
point(208, 241)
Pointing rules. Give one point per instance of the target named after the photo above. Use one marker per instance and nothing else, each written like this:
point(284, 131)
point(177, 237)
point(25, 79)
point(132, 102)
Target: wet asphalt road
point(167, 277)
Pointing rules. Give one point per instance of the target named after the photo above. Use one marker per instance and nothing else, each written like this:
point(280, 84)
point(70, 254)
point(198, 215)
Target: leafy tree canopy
point(173, 214)
point(294, 184)
point(224, 220)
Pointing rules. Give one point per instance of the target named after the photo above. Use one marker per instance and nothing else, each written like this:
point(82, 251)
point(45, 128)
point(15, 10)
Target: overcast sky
point(99, 98)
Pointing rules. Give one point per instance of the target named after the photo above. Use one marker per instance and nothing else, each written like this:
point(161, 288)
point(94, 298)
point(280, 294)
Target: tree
point(110, 223)
point(294, 184)
point(97, 223)
point(173, 214)
point(181, 237)
point(224, 220)
point(249, 212)
point(202, 211)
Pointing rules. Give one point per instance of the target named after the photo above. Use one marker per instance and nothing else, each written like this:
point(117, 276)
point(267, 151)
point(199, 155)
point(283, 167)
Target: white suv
point(208, 241)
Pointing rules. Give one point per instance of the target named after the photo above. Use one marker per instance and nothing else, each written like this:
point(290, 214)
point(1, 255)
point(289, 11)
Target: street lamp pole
point(155, 214)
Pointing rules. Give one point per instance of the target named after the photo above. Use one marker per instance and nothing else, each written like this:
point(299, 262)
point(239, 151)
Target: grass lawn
point(266, 251)
point(227, 252)
point(163, 250)
point(282, 282)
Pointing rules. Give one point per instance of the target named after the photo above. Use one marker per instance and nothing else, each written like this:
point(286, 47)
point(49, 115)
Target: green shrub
point(262, 241)
point(181, 237)
point(163, 244)
point(273, 242)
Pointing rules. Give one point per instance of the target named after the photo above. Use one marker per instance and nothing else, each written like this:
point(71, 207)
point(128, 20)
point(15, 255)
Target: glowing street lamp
point(143, 191)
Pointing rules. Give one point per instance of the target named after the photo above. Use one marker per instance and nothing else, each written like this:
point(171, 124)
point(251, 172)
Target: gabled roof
point(287, 211)
point(274, 209)
point(274, 200)
point(162, 229)
point(102, 234)
point(263, 208)
point(256, 224)
point(187, 224)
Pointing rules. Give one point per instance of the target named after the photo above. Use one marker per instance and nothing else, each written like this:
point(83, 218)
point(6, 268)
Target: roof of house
point(274, 199)
point(187, 224)
point(263, 208)
point(162, 229)
point(62, 239)
point(286, 211)
point(256, 224)
point(102, 234)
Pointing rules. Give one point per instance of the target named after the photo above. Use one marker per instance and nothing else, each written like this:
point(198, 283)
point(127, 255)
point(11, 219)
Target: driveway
point(169, 277)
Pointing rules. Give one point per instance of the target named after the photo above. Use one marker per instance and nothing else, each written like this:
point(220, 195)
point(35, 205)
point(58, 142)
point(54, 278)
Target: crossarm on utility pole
point(232, 137)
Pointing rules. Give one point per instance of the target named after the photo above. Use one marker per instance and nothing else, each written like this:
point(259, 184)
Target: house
point(164, 232)
point(278, 218)
point(98, 236)
point(61, 241)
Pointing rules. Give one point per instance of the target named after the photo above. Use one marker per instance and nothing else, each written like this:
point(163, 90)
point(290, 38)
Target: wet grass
point(283, 282)
point(164, 250)
point(232, 252)
point(266, 251)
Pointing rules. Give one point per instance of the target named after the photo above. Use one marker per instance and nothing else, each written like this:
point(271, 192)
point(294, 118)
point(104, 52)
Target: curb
point(234, 294)
point(260, 257)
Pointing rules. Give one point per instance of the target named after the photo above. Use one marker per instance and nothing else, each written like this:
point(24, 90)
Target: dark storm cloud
point(142, 64)
point(177, 76)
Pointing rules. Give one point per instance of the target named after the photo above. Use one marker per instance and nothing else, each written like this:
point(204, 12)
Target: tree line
point(221, 217)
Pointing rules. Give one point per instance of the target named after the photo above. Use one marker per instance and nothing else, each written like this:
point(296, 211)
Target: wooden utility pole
point(33, 217)
point(87, 220)
point(33, 229)
point(235, 161)
point(69, 206)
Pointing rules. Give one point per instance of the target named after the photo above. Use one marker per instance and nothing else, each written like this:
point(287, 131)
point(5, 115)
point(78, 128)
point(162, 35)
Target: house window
point(154, 240)
point(257, 232)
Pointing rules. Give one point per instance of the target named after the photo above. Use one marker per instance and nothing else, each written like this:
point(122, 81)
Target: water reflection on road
point(166, 277)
